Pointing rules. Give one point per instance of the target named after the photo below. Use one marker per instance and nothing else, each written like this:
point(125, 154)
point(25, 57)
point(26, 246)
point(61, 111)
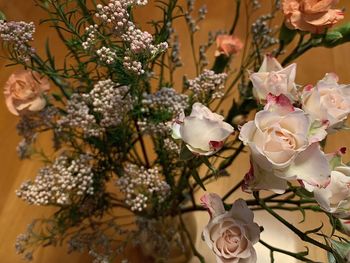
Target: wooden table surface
point(15, 214)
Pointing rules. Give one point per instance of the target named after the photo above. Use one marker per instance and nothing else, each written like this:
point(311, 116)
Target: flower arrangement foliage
point(131, 151)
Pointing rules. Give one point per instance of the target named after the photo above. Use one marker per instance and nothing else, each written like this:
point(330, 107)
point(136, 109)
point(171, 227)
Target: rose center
point(287, 139)
point(334, 100)
point(23, 90)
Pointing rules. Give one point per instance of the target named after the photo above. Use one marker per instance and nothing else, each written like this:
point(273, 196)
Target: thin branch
point(193, 247)
point(298, 232)
point(294, 255)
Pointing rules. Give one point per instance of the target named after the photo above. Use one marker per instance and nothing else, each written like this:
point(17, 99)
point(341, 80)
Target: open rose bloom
point(227, 45)
point(230, 234)
point(272, 78)
point(335, 198)
point(203, 132)
point(283, 149)
point(328, 101)
point(314, 16)
point(24, 91)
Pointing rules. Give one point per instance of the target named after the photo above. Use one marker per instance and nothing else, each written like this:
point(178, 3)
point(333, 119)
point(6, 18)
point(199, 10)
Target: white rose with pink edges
point(230, 234)
point(328, 101)
point(203, 131)
point(335, 198)
point(282, 148)
point(272, 78)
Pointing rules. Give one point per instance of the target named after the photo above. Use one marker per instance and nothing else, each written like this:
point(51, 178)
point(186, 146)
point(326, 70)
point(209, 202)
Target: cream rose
point(314, 16)
point(231, 234)
point(227, 45)
point(203, 132)
point(24, 90)
point(272, 78)
point(328, 101)
point(335, 198)
point(281, 147)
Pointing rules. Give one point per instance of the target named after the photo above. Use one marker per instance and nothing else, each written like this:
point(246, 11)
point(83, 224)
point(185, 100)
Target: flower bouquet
point(133, 147)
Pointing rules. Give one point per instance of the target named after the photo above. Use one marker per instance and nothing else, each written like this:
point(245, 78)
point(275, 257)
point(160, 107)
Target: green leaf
point(185, 153)
point(302, 211)
point(205, 160)
point(2, 16)
point(50, 58)
point(333, 36)
point(198, 180)
point(331, 258)
point(303, 193)
point(342, 248)
point(304, 253)
point(335, 162)
point(337, 36)
point(56, 96)
point(286, 35)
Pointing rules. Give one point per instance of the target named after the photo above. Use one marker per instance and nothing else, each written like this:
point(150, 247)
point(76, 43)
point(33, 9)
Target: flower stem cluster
point(207, 86)
point(160, 108)
point(18, 34)
point(79, 117)
point(60, 183)
point(111, 101)
point(141, 185)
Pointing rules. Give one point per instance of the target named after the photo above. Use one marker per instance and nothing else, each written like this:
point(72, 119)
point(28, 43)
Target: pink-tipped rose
point(273, 78)
point(328, 101)
point(231, 234)
point(282, 148)
point(204, 132)
point(227, 45)
point(314, 16)
point(335, 198)
point(24, 91)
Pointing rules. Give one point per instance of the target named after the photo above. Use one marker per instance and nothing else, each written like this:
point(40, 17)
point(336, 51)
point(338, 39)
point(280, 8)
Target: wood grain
point(15, 215)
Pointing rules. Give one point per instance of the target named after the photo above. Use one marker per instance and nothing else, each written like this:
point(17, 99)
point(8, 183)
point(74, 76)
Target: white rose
point(231, 234)
point(204, 132)
point(335, 198)
point(281, 146)
point(273, 78)
point(328, 101)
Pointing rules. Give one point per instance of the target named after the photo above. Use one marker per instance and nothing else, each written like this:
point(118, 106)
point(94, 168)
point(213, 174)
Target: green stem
point(143, 146)
point(235, 22)
point(193, 247)
point(298, 51)
point(294, 255)
point(299, 233)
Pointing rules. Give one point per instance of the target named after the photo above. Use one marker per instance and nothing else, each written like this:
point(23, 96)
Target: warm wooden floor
point(15, 215)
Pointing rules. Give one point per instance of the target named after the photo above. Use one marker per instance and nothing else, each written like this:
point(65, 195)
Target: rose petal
point(213, 203)
point(270, 64)
point(310, 166)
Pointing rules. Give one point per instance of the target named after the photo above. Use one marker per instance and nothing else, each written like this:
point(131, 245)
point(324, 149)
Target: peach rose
point(204, 132)
point(231, 234)
point(328, 101)
point(314, 16)
point(24, 90)
point(282, 147)
point(273, 78)
point(227, 45)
